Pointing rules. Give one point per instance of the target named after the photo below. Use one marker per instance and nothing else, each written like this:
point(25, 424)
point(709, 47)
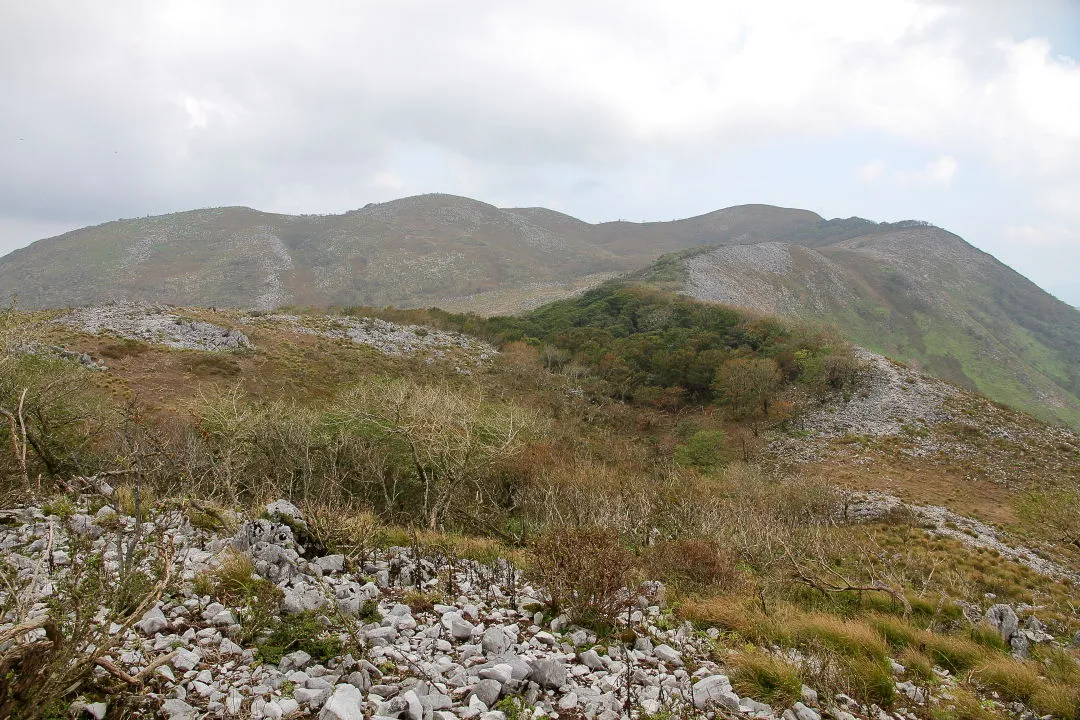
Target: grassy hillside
point(414, 252)
point(920, 295)
point(677, 440)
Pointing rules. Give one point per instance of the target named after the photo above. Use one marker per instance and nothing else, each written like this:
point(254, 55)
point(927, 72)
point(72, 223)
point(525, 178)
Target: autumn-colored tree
point(746, 386)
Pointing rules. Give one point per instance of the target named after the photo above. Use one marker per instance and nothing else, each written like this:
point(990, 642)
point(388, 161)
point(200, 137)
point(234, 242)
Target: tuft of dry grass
point(1060, 665)
point(345, 530)
point(766, 678)
point(732, 613)
point(1058, 699)
point(848, 637)
point(963, 705)
point(917, 664)
point(124, 497)
point(955, 654)
point(1012, 679)
point(897, 633)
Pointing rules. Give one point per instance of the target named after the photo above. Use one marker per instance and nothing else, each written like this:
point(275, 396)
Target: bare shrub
point(585, 570)
point(692, 564)
point(587, 492)
point(747, 386)
point(1053, 513)
point(46, 657)
point(451, 440)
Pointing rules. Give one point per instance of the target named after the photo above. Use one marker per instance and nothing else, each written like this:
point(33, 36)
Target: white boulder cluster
point(154, 324)
point(387, 337)
point(482, 649)
point(84, 359)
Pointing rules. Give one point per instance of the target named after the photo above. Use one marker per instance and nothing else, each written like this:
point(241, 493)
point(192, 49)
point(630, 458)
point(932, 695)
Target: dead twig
point(841, 584)
point(17, 424)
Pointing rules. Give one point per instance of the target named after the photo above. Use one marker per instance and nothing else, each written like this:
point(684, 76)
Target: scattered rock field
point(154, 324)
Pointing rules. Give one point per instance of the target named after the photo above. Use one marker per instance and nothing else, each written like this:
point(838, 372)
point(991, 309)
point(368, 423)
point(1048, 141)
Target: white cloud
point(136, 106)
point(870, 172)
point(1048, 251)
point(936, 173)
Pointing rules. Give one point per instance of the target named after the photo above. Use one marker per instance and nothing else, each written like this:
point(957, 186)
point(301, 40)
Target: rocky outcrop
point(387, 337)
point(154, 324)
point(873, 505)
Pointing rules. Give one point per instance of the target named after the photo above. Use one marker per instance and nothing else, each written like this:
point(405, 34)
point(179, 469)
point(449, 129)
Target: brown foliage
point(586, 571)
point(747, 385)
point(692, 564)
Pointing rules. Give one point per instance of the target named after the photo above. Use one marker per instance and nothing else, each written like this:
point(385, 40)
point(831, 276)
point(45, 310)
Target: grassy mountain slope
point(414, 252)
point(916, 293)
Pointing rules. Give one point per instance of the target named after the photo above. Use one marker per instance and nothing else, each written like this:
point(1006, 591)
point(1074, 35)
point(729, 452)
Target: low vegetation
point(626, 421)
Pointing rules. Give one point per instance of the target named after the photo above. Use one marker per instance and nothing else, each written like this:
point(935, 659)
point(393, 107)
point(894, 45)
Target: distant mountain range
point(910, 290)
point(417, 251)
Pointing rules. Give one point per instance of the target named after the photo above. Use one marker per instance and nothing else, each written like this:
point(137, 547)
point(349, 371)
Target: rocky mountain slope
point(163, 584)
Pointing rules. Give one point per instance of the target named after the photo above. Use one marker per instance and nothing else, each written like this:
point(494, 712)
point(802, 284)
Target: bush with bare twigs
point(45, 657)
point(585, 570)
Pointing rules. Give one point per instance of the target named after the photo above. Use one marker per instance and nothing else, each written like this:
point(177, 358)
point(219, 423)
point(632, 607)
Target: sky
point(963, 113)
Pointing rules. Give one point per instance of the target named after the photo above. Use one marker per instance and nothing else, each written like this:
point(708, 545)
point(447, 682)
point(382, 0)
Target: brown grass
point(766, 678)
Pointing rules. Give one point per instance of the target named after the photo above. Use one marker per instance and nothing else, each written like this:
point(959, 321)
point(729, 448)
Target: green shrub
point(703, 450)
point(64, 414)
point(300, 632)
point(514, 707)
point(369, 612)
point(61, 506)
point(421, 602)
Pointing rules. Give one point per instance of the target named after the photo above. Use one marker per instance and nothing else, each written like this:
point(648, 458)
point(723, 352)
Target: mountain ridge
point(907, 289)
point(917, 294)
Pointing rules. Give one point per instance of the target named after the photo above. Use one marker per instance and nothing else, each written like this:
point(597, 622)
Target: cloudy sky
point(965, 113)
